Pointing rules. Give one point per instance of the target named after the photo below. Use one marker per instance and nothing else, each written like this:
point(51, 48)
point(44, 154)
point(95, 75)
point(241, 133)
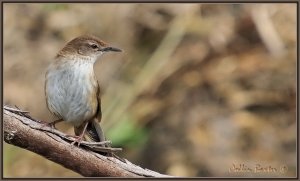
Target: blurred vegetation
point(198, 88)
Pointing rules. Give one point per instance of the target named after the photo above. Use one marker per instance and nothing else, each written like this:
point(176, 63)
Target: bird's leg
point(78, 140)
point(51, 124)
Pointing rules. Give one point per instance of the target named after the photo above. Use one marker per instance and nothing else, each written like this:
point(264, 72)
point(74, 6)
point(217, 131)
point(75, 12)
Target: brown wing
point(94, 131)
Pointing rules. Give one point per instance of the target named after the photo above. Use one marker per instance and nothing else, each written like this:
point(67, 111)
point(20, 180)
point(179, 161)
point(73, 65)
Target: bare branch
point(22, 131)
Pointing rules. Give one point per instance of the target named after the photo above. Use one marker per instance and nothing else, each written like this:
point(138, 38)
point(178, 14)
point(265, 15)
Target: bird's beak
point(110, 49)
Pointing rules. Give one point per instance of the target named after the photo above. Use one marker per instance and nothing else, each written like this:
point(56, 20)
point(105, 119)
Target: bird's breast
point(72, 91)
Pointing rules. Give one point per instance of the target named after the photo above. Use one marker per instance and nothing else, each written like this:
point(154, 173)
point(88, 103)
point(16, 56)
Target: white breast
point(68, 87)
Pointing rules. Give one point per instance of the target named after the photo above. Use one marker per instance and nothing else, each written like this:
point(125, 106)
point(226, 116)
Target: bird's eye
point(94, 46)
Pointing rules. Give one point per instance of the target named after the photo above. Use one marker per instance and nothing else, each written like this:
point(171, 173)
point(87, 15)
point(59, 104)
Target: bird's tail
point(93, 132)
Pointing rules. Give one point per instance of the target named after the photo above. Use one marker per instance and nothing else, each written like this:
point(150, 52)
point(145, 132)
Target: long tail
point(93, 132)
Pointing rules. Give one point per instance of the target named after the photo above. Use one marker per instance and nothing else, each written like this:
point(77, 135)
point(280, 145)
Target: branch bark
point(23, 131)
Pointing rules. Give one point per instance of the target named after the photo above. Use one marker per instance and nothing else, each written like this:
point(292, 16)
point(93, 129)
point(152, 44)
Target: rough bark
point(23, 131)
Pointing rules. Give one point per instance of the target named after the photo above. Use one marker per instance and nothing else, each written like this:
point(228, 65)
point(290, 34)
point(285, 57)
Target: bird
point(72, 90)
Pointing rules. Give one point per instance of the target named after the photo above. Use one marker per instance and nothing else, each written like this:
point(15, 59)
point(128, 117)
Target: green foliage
point(127, 133)
point(8, 157)
point(55, 6)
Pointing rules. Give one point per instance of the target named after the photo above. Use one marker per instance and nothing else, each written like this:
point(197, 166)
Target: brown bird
point(72, 90)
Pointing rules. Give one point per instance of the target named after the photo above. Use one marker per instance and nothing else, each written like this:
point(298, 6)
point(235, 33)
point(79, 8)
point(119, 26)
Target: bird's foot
point(78, 140)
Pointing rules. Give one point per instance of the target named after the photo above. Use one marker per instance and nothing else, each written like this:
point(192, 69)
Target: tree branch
point(23, 131)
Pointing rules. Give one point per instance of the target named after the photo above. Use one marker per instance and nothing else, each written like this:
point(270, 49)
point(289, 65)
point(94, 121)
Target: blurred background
point(199, 91)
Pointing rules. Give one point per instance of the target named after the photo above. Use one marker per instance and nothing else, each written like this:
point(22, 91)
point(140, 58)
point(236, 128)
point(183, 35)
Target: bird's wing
point(94, 131)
